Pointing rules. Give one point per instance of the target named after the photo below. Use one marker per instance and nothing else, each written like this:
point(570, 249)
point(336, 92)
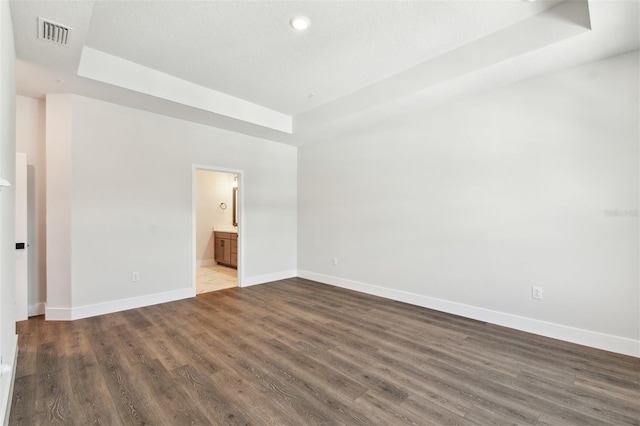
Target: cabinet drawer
point(225, 235)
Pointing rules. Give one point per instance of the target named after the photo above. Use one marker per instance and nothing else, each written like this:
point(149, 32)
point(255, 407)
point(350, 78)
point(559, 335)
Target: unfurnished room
point(320, 212)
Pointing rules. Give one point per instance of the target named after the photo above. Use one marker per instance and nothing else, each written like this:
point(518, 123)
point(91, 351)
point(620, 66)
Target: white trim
point(57, 314)
point(593, 339)
point(7, 385)
point(206, 262)
point(70, 314)
point(267, 278)
point(36, 309)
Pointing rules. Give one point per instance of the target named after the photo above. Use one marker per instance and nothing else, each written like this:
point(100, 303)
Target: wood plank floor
point(295, 352)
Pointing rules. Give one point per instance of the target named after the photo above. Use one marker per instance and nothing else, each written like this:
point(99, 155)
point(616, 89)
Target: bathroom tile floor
point(215, 277)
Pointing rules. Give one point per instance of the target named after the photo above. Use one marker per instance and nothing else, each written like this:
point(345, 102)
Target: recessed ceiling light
point(299, 23)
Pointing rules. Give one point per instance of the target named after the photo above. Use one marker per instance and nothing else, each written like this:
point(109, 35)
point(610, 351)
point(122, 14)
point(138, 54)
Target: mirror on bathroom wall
point(235, 206)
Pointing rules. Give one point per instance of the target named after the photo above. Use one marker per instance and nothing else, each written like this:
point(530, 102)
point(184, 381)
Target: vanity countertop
point(230, 231)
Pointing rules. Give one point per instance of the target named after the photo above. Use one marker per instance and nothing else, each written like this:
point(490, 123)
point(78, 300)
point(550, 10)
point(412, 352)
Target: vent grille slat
point(53, 32)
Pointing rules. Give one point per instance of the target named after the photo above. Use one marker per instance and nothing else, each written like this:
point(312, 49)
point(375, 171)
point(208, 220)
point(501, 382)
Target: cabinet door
point(227, 251)
point(234, 253)
point(219, 250)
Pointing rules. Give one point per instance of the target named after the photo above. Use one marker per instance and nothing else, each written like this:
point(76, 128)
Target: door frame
point(241, 231)
point(22, 236)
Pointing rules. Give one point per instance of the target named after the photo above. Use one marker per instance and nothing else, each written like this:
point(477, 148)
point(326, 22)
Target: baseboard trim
point(206, 262)
point(70, 314)
point(36, 309)
point(7, 385)
point(621, 345)
point(262, 279)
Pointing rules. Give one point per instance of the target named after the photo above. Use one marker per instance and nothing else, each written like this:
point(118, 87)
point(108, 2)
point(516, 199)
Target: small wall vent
point(53, 32)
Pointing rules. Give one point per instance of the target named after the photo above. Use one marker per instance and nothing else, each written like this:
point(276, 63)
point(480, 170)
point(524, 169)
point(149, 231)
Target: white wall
point(465, 207)
point(58, 201)
point(30, 139)
point(212, 188)
point(124, 204)
point(7, 206)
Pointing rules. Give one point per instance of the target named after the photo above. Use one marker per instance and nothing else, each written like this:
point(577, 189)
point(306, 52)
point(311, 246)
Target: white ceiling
point(361, 60)
point(248, 49)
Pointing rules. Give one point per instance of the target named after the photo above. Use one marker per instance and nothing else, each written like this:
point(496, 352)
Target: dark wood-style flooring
point(295, 352)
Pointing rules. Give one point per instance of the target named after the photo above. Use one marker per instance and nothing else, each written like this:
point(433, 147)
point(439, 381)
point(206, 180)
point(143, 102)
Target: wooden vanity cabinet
point(226, 248)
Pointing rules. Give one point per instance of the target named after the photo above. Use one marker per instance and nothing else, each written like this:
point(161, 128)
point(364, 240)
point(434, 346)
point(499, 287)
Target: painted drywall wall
point(8, 348)
point(464, 207)
point(212, 189)
point(30, 139)
point(58, 200)
point(129, 203)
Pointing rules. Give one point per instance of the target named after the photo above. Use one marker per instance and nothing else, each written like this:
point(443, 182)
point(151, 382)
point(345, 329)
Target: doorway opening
point(216, 229)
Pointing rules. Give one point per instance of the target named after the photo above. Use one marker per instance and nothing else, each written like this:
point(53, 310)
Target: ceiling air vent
point(55, 33)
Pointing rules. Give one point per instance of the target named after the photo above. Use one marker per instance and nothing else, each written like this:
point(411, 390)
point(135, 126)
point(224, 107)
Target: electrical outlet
point(536, 292)
point(135, 277)
point(334, 261)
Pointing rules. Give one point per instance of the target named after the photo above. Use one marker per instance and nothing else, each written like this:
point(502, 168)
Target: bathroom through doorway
point(216, 230)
